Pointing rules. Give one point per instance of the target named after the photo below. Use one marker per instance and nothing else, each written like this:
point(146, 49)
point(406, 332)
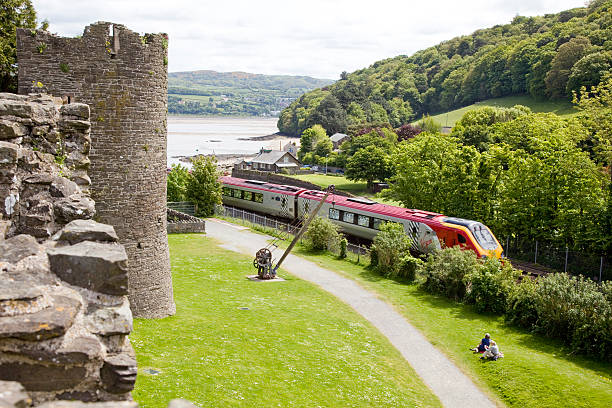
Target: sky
point(319, 38)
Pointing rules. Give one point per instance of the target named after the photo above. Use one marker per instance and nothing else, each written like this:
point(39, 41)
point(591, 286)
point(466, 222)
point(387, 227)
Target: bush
point(322, 235)
point(521, 309)
point(373, 257)
point(343, 244)
point(203, 187)
point(577, 311)
point(445, 271)
point(390, 244)
point(407, 268)
point(490, 285)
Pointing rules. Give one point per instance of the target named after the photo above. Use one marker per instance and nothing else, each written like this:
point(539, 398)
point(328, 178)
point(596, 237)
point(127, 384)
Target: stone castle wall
point(122, 76)
point(64, 313)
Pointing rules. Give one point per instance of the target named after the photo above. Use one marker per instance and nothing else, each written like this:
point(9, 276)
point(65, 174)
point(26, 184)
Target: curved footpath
point(453, 388)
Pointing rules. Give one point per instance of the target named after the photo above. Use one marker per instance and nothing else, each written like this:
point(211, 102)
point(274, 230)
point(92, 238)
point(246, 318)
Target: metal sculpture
point(263, 258)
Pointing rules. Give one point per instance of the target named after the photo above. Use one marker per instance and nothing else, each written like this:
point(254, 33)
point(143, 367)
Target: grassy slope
point(296, 346)
point(341, 183)
point(561, 108)
point(536, 372)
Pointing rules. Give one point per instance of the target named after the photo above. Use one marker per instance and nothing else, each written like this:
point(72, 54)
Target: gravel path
point(453, 388)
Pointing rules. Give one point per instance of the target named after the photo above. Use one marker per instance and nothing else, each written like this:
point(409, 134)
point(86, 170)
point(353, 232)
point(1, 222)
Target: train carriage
point(266, 198)
point(362, 217)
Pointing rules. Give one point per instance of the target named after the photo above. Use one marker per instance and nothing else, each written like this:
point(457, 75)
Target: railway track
point(530, 269)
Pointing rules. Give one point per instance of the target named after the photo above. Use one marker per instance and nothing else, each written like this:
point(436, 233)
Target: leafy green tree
point(355, 114)
point(324, 147)
point(369, 164)
point(14, 14)
point(177, 181)
point(377, 114)
point(203, 187)
point(567, 55)
point(589, 70)
point(330, 114)
point(309, 141)
point(475, 128)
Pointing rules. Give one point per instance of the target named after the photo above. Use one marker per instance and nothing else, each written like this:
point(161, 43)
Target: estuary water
point(188, 136)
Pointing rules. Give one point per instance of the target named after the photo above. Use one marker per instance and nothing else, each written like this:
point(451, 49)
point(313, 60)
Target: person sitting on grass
point(492, 352)
point(484, 344)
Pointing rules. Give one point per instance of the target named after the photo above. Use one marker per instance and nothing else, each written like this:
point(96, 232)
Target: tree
point(589, 70)
point(13, 14)
point(355, 114)
point(178, 178)
point(330, 115)
point(567, 55)
point(390, 244)
point(407, 131)
point(322, 235)
point(369, 164)
point(203, 187)
point(309, 141)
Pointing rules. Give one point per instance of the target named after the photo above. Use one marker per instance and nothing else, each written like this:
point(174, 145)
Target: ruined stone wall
point(123, 78)
point(64, 312)
point(181, 223)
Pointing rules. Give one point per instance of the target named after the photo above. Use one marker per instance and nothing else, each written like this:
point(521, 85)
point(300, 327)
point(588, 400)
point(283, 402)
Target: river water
point(188, 136)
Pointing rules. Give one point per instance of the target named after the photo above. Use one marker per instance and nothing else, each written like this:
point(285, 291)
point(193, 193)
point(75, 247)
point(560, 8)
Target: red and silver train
point(361, 217)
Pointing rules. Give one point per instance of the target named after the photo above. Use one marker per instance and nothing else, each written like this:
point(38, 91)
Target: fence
point(282, 228)
point(185, 207)
point(596, 267)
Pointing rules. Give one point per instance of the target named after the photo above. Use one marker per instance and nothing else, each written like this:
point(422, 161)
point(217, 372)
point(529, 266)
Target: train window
point(248, 195)
point(227, 191)
point(461, 239)
point(334, 214)
point(258, 198)
point(363, 220)
point(377, 223)
point(349, 217)
point(237, 193)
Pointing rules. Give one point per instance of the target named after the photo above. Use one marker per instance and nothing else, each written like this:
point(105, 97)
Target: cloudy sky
point(319, 38)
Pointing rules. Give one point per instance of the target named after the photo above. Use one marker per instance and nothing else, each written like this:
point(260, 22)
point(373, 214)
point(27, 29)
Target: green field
point(237, 343)
point(535, 372)
point(561, 108)
point(343, 184)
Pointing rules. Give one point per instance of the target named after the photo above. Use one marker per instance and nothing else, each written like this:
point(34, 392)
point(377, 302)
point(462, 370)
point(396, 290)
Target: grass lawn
point(561, 108)
point(237, 343)
point(535, 372)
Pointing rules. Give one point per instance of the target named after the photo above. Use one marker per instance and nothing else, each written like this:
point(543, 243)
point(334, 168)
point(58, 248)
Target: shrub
point(203, 187)
point(577, 311)
point(407, 267)
point(322, 234)
point(373, 257)
point(391, 244)
point(521, 309)
point(490, 284)
point(445, 271)
point(343, 244)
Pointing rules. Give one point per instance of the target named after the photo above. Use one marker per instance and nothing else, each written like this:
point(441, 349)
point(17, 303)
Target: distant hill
point(546, 57)
point(235, 93)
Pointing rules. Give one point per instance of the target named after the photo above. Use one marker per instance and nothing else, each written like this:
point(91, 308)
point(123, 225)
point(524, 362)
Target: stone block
point(39, 377)
point(48, 323)
point(74, 208)
point(101, 267)
point(108, 321)
point(17, 298)
point(87, 230)
point(80, 110)
point(9, 153)
point(13, 395)
point(11, 130)
point(68, 125)
point(18, 247)
point(79, 350)
point(118, 374)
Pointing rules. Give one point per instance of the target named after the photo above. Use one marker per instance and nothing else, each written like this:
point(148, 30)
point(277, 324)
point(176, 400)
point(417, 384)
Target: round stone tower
point(123, 77)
